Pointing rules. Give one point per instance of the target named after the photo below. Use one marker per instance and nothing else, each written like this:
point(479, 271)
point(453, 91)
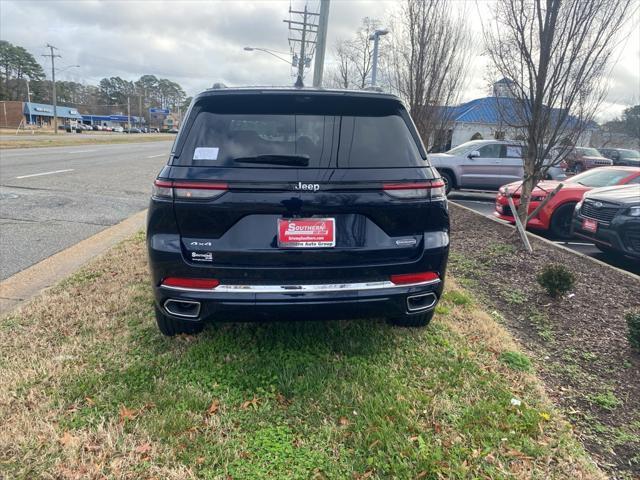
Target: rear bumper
point(249, 293)
point(301, 302)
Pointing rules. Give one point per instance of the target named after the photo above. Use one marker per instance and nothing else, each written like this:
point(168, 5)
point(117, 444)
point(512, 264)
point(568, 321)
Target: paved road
point(484, 203)
point(51, 198)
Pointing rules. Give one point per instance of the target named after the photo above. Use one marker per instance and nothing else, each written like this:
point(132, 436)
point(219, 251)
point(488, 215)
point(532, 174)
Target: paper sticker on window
point(206, 153)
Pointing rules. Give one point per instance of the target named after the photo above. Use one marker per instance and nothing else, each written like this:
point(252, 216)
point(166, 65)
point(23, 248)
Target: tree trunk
point(528, 184)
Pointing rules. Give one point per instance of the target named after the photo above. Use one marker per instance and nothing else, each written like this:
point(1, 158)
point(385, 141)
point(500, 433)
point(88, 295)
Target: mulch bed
point(579, 342)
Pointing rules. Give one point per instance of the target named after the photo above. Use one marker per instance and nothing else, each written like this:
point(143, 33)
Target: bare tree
point(355, 57)
point(554, 55)
point(342, 76)
point(428, 62)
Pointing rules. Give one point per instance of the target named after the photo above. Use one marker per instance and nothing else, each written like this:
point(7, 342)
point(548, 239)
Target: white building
point(483, 119)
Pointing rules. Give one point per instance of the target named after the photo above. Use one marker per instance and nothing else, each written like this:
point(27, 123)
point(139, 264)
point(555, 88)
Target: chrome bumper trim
point(329, 287)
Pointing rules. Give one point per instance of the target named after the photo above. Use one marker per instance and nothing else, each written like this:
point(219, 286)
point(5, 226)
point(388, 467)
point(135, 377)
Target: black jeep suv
point(296, 204)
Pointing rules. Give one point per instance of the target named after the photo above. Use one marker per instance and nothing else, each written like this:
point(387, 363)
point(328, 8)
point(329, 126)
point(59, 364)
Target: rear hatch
point(299, 180)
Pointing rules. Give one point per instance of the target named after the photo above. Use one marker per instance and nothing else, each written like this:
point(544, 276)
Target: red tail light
point(409, 278)
point(201, 185)
point(188, 190)
point(198, 190)
point(428, 189)
point(192, 283)
point(162, 189)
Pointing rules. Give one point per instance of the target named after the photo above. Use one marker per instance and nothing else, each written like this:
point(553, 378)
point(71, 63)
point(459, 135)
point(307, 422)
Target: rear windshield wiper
point(289, 160)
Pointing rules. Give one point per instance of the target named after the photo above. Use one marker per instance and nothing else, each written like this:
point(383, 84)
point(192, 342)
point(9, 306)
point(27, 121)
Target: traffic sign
point(159, 111)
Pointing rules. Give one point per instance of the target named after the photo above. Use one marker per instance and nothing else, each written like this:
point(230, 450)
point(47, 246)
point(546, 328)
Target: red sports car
point(556, 214)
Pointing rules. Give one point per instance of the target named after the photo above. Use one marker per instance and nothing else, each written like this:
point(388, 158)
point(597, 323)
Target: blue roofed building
point(490, 118)
point(112, 120)
point(14, 114)
point(42, 114)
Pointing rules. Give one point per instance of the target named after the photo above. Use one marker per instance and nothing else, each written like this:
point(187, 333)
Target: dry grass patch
point(36, 141)
point(89, 389)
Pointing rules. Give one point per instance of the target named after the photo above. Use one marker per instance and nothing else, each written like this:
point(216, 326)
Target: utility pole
point(302, 43)
point(321, 45)
point(129, 113)
point(140, 108)
point(307, 29)
point(53, 81)
point(29, 102)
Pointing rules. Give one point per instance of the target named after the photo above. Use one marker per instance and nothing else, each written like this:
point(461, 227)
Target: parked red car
point(556, 214)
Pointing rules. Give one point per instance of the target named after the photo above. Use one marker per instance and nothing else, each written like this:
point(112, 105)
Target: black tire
point(413, 320)
point(560, 224)
point(170, 326)
point(448, 182)
point(611, 252)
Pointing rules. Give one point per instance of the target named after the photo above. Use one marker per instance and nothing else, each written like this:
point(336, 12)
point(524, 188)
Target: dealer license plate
point(307, 233)
point(589, 225)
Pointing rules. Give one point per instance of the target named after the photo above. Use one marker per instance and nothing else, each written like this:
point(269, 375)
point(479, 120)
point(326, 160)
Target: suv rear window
point(221, 139)
point(328, 131)
point(370, 142)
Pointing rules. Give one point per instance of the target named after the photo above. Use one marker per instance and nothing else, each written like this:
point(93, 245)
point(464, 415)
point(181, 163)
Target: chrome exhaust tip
point(424, 301)
point(182, 308)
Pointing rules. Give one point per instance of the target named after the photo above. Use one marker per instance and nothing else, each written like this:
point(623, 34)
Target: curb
point(549, 242)
point(472, 195)
point(29, 282)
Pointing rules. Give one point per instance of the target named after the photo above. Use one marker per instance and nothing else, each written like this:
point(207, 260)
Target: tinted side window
point(490, 151)
point(218, 139)
point(377, 141)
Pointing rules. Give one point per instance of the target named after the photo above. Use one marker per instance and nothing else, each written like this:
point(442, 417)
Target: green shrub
point(556, 280)
point(633, 323)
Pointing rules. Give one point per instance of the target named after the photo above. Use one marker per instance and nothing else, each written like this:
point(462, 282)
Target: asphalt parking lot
point(52, 198)
point(483, 202)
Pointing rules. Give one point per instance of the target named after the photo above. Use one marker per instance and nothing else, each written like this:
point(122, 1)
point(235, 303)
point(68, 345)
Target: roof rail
point(372, 88)
point(218, 85)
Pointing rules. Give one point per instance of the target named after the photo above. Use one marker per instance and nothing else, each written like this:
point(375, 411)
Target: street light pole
point(375, 36)
point(265, 50)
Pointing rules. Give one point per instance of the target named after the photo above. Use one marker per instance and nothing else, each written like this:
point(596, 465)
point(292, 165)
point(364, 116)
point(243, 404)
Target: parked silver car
point(484, 164)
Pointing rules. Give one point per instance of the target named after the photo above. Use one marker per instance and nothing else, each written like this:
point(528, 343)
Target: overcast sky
point(198, 43)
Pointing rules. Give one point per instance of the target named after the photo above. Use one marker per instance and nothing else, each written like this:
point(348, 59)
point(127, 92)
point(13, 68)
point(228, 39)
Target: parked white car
point(118, 129)
point(485, 165)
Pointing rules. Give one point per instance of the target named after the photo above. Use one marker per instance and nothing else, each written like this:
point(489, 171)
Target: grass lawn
point(63, 140)
point(90, 389)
